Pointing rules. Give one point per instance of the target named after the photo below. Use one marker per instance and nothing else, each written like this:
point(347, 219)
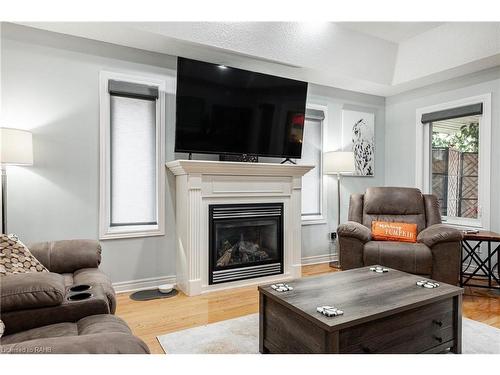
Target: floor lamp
point(338, 163)
point(16, 148)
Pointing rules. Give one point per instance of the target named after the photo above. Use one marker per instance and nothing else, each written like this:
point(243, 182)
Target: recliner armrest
point(354, 230)
point(67, 256)
point(439, 233)
point(23, 291)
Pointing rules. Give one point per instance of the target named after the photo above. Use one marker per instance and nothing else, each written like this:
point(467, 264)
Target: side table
point(484, 268)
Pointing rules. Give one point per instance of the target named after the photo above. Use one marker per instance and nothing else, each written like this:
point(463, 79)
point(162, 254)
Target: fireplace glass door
point(246, 241)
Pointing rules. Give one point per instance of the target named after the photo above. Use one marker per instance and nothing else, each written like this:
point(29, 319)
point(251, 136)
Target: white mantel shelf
point(201, 183)
point(183, 167)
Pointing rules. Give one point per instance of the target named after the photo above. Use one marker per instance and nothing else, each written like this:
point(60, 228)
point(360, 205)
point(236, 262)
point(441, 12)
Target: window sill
point(313, 220)
point(112, 234)
point(464, 225)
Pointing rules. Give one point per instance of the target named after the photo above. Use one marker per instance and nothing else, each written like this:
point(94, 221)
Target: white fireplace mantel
point(200, 183)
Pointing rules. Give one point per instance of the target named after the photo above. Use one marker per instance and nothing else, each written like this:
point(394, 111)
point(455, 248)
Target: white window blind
point(133, 161)
point(312, 180)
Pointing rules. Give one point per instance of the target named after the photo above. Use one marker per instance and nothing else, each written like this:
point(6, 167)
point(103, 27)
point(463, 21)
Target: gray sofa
point(437, 252)
point(45, 312)
point(31, 300)
point(77, 261)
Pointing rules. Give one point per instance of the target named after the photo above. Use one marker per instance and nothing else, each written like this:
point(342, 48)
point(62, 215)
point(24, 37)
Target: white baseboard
point(141, 284)
point(151, 282)
point(317, 259)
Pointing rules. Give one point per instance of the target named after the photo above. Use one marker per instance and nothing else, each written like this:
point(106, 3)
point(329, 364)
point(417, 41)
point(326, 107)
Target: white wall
point(50, 86)
point(400, 128)
point(315, 237)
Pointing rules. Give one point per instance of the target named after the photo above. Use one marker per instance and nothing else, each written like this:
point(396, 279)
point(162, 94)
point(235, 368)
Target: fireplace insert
point(246, 241)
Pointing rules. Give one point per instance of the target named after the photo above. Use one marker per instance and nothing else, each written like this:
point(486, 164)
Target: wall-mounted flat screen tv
point(224, 110)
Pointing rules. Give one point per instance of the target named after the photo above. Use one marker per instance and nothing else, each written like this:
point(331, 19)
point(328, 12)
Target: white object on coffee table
point(329, 311)
point(379, 269)
point(427, 284)
point(281, 287)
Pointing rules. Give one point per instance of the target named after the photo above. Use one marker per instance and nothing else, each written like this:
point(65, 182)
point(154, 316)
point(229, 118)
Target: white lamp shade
point(16, 147)
point(338, 162)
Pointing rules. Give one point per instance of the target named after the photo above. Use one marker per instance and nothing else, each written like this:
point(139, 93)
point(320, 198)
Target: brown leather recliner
point(437, 252)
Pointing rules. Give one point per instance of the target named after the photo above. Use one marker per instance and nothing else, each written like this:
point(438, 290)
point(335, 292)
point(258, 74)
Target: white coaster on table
point(427, 284)
point(329, 311)
point(282, 287)
point(379, 269)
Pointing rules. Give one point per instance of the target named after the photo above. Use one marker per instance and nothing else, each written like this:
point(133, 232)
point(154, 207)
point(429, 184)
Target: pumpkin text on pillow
point(388, 231)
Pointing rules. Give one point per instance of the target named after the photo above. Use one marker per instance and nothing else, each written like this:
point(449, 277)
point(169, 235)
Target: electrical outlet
point(333, 236)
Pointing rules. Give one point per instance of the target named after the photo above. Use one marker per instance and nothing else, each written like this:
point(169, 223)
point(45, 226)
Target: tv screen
point(225, 110)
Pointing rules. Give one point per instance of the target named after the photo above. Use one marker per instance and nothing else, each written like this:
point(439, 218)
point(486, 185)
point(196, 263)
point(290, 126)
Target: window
point(132, 156)
point(456, 167)
point(133, 162)
point(313, 202)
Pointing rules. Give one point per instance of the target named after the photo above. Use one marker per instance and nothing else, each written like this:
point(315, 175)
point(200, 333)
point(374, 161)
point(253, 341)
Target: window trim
point(422, 160)
point(106, 231)
point(322, 217)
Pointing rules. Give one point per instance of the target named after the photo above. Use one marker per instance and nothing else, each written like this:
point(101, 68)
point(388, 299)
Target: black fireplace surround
point(246, 241)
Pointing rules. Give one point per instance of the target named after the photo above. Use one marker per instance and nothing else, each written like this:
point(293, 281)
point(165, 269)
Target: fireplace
point(246, 241)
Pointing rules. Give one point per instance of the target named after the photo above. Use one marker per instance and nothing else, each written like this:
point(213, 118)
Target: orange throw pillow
point(387, 231)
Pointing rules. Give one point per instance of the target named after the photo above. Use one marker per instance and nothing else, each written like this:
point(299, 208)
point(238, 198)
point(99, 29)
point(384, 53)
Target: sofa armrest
point(355, 230)
point(67, 311)
point(439, 233)
point(67, 256)
point(31, 290)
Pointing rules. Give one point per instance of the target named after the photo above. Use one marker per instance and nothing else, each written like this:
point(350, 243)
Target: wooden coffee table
point(383, 313)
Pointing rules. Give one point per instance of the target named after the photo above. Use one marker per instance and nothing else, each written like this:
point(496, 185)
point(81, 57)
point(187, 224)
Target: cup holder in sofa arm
point(79, 296)
point(79, 288)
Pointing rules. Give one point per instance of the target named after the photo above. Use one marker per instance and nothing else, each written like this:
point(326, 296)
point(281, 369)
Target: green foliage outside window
point(466, 140)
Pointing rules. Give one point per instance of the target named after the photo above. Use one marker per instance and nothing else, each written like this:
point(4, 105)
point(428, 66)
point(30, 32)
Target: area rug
point(241, 336)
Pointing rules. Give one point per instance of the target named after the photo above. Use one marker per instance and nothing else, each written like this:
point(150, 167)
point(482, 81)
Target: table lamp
point(338, 163)
point(16, 148)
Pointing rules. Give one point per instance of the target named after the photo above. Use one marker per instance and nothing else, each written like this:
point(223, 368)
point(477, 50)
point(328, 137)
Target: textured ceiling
point(392, 31)
point(381, 58)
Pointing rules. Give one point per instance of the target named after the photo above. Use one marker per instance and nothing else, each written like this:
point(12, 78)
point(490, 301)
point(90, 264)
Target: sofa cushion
point(394, 204)
point(16, 258)
point(53, 330)
point(67, 256)
point(408, 257)
point(93, 334)
point(94, 324)
point(393, 201)
point(31, 290)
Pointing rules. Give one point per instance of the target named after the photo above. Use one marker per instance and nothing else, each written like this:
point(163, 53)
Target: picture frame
point(358, 136)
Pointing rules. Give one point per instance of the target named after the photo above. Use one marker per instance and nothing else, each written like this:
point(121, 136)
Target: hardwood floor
point(151, 318)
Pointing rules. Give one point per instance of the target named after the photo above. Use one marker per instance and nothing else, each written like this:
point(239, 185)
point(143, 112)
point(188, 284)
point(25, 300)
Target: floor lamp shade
point(16, 147)
point(338, 162)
